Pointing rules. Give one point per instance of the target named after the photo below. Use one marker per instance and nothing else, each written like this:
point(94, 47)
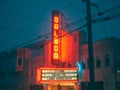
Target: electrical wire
point(21, 15)
point(79, 28)
point(107, 10)
point(13, 53)
point(36, 20)
point(103, 25)
point(46, 35)
point(71, 24)
point(107, 18)
point(71, 4)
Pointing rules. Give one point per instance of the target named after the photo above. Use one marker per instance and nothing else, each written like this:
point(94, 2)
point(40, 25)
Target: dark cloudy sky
point(24, 20)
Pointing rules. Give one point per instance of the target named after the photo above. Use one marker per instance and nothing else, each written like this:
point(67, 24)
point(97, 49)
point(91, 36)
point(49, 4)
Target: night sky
point(25, 20)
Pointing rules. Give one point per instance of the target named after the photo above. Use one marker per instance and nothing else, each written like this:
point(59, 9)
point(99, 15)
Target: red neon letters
point(55, 37)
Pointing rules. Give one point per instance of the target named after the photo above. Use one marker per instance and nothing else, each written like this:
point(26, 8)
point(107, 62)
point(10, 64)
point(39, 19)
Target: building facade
point(18, 68)
point(106, 64)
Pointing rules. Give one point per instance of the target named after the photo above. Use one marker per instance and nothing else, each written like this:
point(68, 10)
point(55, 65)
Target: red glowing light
point(56, 19)
point(55, 55)
point(56, 48)
point(38, 75)
point(55, 41)
point(48, 75)
point(56, 26)
point(62, 47)
point(55, 35)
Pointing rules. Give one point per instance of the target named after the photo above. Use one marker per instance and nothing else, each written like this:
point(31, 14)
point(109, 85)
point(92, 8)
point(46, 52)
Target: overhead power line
point(79, 28)
point(100, 13)
point(107, 18)
point(108, 10)
point(46, 35)
point(71, 4)
point(74, 23)
point(20, 15)
point(92, 4)
point(35, 20)
point(40, 37)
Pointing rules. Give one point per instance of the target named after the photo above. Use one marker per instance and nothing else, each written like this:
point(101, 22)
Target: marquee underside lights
point(56, 75)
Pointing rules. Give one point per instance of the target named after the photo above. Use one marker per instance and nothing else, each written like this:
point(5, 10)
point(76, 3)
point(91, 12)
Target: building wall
point(23, 76)
point(9, 77)
point(102, 73)
point(68, 50)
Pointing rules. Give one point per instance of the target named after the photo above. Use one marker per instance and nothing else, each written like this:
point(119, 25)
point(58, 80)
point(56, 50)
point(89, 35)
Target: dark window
point(69, 64)
point(19, 88)
point(75, 37)
point(88, 65)
point(36, 87)
point(26, 72)
point(83, 65)
point(20, 61)
point(99, 85)
point(86, 85)
point(98, 62)
point(31, 72)
point(107, 60)
point(118, 85)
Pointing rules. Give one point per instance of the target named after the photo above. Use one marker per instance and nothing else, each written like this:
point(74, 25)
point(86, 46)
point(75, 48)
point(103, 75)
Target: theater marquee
point(47, 75)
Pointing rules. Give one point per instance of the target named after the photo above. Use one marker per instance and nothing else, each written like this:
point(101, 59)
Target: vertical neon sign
point(55, 36)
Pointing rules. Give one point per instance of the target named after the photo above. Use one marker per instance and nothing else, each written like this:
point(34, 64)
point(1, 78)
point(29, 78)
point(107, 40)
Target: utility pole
point(90, 45)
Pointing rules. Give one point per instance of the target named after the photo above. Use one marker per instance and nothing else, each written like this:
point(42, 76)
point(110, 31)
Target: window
point(20, 61)
point(75, 37)
point(99, 85)
point(83, 65)
point(107, 60)
point(88, 65)
point(118, 85)
point(98, 62)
